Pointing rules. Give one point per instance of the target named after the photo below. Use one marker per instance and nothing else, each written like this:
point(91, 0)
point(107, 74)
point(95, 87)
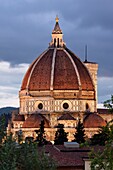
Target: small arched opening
point(54, 42)
point(87, 107)
point(58, 42)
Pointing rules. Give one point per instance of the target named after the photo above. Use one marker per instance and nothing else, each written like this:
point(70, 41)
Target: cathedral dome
point(34, 121)
point(57, 68)
point(93, 120)
point(57, 88)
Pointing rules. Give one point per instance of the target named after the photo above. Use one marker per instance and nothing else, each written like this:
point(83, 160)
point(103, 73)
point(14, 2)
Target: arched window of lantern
point(87, 107)
point(58, 42)
point(54, 42)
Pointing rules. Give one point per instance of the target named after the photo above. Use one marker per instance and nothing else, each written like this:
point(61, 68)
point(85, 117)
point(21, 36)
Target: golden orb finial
point(57, 19)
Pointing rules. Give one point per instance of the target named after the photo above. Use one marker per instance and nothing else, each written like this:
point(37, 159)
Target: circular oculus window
point(40, 106)
point(65, 105)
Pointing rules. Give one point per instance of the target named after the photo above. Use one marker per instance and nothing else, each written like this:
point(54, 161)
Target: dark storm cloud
point(25, 32)
point(26, 26)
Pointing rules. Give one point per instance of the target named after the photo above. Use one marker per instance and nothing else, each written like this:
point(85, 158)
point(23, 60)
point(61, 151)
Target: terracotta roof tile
point(86, 81)
point(66, 116)
point(40, 79)
point(103, 111)
point(93, 120)
point(66, 157)
point(19, 118)
point(65, 76)
point(34, 120)
point(69, 72)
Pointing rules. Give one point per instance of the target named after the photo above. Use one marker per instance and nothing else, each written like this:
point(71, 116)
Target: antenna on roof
point(85, 53)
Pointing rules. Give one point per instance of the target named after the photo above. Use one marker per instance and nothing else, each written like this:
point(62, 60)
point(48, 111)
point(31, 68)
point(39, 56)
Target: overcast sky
point(25, 32)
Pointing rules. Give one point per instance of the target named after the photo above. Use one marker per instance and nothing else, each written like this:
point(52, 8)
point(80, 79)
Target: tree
point(8, 154)
point(109, 104)
point(101, 137)
point(103, 160)
point(60, 135)
point(29, 158)
point(2, 128)
point(104, 134)
point(41, 138)
point(80, 133)
point(22, 156)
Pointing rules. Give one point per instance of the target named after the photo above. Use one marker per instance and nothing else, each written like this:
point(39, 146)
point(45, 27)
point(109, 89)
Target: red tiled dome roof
point(57, 69)
point(93, 120)
point(19, 118)
point(34, 120)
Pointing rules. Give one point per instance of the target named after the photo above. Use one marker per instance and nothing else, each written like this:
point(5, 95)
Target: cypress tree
point(41, 135)
point(60, 135)
point(80, 133)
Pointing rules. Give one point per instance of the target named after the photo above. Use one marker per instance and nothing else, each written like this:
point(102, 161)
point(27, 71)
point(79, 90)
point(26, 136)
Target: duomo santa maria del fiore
point(58, 88)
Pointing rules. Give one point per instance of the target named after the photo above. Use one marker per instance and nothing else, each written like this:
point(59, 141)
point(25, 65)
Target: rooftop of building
point(70, 157)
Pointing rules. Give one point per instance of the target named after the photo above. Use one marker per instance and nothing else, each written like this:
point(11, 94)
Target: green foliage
point(30, 159)
point(104, 134)
point(109, 104)
point(46, 162)
point(41, 135)
point(101, 137)
point(2, 128)
point(60, 135)
point(8, 152)
point(85, 144)
point(24, 156)
point(80, 133)
point(102, 160)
